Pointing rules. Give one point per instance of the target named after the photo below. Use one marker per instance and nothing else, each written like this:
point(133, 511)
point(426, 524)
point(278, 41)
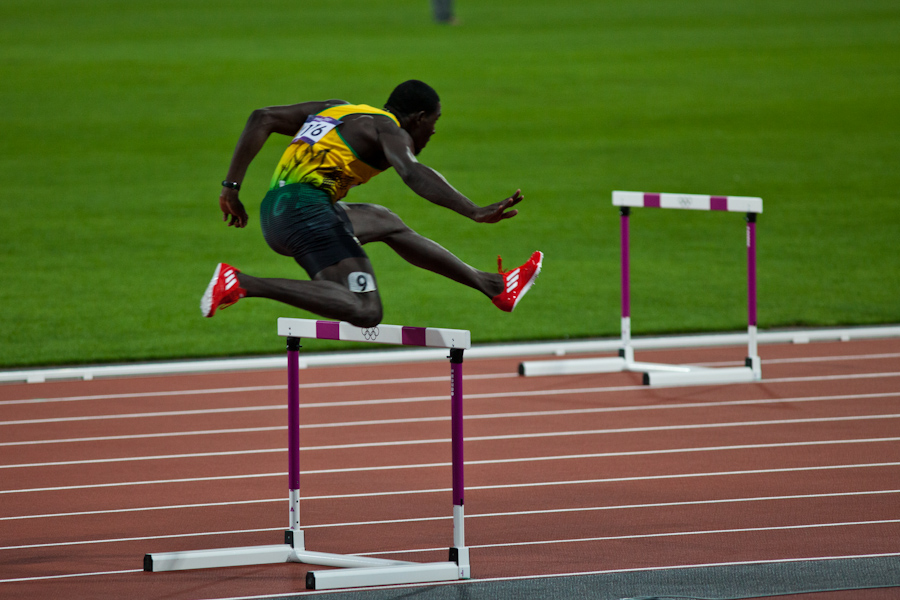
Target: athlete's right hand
point(232, 207)
point(498, 211)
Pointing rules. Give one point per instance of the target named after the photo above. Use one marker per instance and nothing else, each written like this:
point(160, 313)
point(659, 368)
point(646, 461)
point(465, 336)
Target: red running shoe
point(223, 290)
point(517, 282)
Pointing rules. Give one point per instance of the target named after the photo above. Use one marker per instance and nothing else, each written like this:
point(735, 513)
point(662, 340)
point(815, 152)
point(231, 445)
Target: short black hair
point(411, 97)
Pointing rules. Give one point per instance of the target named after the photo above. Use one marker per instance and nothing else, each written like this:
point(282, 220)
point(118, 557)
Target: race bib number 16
point(315, 129)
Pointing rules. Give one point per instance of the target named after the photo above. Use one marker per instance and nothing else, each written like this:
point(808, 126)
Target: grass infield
point(119, 118)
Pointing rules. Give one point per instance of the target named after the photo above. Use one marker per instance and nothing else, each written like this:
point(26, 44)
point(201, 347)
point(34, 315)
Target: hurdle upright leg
point(294, 535)
point(626, 351)
point(753, 360)
point(459, 552)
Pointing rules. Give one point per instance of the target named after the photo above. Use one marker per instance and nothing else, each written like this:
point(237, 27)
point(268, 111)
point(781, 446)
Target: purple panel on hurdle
point(293, 419)
point(413, 336)
point(456, 433)
point(751, 273)
point(651, 200)
point(718, 203)
point(626, 273)
point(328, 330)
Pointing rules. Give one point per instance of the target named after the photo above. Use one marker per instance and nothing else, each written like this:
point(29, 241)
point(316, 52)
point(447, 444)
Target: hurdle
point(663, 374)
point(356, 570)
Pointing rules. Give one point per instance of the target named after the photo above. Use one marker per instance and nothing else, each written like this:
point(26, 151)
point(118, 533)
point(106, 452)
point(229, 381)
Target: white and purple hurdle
point(357, 571)
point(662, 374)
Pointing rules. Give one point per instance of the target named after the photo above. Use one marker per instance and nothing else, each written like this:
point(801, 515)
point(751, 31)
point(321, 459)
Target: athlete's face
point(423, 128)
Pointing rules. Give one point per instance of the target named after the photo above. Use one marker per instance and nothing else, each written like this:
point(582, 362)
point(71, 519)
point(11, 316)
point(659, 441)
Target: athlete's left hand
point(498, 211)
point(232, 207)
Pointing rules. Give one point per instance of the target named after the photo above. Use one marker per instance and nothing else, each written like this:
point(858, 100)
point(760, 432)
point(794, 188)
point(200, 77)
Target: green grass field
point(118, 121)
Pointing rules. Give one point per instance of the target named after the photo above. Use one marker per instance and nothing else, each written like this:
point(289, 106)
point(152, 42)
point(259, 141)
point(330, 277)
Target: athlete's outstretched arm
point(431, 185)
point(263, 122)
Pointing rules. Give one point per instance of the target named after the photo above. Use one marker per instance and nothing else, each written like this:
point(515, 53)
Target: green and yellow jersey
point(319, 157)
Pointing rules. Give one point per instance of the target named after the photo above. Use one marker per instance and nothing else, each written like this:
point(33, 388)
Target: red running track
point(569, 474)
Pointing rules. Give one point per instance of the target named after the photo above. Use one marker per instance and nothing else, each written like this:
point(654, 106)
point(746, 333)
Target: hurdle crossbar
point(662, 374)
point(355, 570)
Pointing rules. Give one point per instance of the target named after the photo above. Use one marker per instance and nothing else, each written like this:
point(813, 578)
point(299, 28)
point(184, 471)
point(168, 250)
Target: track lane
point(635, 487)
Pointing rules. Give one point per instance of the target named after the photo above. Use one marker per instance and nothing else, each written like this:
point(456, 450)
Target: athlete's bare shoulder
point(314, 107)
point(363, 132)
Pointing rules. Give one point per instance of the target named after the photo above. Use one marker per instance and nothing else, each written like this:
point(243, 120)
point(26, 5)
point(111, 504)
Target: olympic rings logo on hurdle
point(684, 201)
point(370, 333)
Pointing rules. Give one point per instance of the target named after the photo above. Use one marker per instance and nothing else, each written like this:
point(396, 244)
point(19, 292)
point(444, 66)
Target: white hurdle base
point(221, 557)
point(574, 366)
point(354, 571)
point(388, 575)
point(655, 374)
point(258, 555)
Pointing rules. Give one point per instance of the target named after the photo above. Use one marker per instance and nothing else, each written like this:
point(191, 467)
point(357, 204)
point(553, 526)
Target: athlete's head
point(417, 106)
point(411, 97)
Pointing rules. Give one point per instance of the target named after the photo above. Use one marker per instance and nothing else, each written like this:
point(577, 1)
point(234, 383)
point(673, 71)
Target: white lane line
point(282, 407)
point(596, 509)
point(808, 359)
point(68, 575)
point(114, 511)
point(145, 538)
point(168, 413)
point(384, 401)
point(280, 428)
point(520, 513)
point(254, 388)
point(539, 484)
point(647, 429)
point(688, 503)
point(690, 533)
point(142, 436)
point(608, 409)
point(95, 461)
point(471, 463)
point(829, 378)
point(158, 394)
point(88, 486)
point(393, 381)
point(684, 427)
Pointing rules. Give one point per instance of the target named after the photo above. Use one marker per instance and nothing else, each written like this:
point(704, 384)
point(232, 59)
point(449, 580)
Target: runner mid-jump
point(337, 146)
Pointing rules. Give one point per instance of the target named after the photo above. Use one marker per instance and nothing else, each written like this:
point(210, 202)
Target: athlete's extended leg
point(345, 291)
point(374, 223)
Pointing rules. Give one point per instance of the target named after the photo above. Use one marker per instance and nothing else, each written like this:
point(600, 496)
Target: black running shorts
point(299, 220)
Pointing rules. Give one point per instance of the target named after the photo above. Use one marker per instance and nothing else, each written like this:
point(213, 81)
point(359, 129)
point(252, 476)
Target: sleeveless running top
point(319, 157)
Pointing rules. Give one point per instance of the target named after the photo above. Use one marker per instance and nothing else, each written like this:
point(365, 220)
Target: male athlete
point(337, 146)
